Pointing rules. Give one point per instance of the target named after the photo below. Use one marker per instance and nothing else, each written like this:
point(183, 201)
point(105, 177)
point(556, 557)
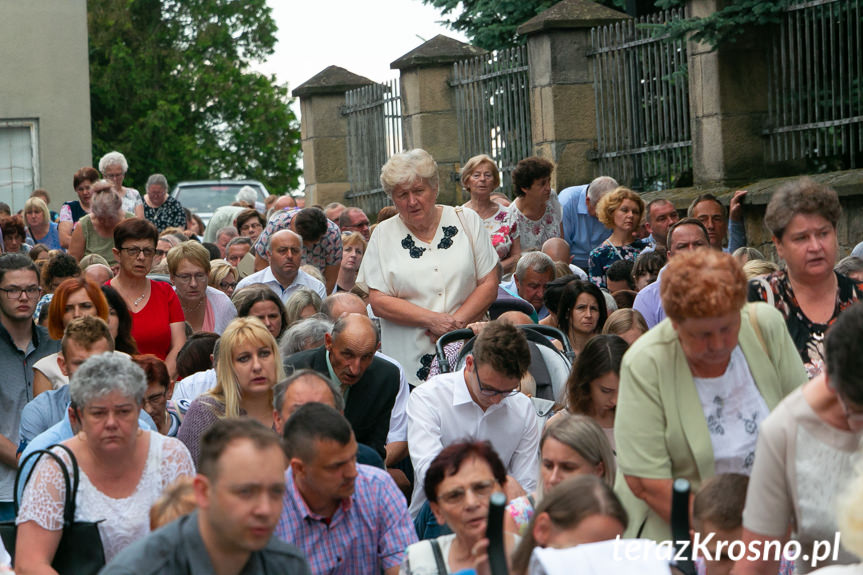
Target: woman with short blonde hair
point(480, 177)
point(620, 211)
point(205, 308)
point(223, 277)
point(40, 228)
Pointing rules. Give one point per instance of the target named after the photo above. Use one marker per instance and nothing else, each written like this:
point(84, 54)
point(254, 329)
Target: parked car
point(202, 197)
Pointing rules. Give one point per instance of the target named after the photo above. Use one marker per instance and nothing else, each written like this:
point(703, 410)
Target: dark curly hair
point(527, 171)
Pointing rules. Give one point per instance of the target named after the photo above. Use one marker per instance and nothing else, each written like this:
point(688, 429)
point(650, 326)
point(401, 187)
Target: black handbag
point(80, 550)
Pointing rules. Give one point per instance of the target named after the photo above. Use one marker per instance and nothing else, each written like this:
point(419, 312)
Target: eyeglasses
point(228, 285)
point(482, 489)
point(15, 292)
point(161, 253)
point(492, 392)
point(135, 251)
point(116, 176)
point(186, 278)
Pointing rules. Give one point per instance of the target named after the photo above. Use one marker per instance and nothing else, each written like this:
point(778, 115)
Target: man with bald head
point(344, 303)
point(284, 275)
point(368, 384)
point(582, 230)
point(558, 250)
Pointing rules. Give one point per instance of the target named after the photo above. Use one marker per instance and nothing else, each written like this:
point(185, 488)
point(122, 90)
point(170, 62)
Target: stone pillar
point(428, 106)
point(324, 133)
point(728, 104)
point(563, 107)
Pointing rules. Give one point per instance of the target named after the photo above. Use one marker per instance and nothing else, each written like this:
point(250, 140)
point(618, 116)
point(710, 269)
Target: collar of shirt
point(461, 396)
point(344, 387)
point(193, 543)
point(304, 510)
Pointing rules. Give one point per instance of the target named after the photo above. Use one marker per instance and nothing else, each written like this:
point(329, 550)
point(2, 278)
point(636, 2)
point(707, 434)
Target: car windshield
point(205, 199)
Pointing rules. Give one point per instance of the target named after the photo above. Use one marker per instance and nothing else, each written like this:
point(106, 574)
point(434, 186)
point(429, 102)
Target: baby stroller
point(549, 366)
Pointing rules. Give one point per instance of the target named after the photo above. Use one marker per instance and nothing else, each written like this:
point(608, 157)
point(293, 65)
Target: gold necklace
point(197, 306)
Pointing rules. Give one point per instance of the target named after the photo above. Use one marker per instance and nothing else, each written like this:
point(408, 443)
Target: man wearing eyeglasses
point(22, 344)
point(480, 402)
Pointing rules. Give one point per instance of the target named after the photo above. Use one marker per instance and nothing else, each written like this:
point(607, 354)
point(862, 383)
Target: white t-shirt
point(733, 408)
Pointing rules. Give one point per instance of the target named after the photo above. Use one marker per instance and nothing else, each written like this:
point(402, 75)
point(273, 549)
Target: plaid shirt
point(327, 251)
point(368, 533)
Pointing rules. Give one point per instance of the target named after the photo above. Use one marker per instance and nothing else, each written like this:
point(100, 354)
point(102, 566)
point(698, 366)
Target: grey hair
point(849, 265)
point(247, 194)
point(106, 205)
point(298, 301)
point(239, 240)
point(407, 167)
point(171, 239)
point(303, 334)
point(537, 261)
point(157, 180)
point(599, 187)
point(114, 158)
point(231, 230)
point(102, 374)
point(281, 388)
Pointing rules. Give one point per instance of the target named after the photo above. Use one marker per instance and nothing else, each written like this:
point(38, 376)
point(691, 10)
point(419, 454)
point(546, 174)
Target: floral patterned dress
point(807, 335)
point(502, 229)
point(533, 233)
point(601, 258)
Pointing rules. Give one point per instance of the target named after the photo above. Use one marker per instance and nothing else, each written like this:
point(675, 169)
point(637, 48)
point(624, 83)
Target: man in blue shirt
point(581, 228)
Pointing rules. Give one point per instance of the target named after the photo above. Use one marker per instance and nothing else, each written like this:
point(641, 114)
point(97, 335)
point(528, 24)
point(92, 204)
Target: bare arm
point(509, 261)
point(40, 383)
point(396, 451)
point(178, 339)
point(139, 211)
point(76, 244)
point(479, 300)
point(34, 557)
point(7, 452)
point(655, 492)
point(331, 274)
point(65, 231)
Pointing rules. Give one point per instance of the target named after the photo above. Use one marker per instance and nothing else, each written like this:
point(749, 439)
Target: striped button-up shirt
point(368, 533)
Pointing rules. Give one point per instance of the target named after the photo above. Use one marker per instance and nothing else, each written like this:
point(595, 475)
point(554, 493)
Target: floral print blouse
point(601, 258)
point(533, 233)
point(808, 336)
point(502, 230)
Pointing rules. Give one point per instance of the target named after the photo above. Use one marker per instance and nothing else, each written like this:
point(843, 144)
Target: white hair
point(248, 195)
point(113, 159)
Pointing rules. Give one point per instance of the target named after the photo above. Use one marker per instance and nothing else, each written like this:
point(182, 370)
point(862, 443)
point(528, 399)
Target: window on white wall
point(19, 162)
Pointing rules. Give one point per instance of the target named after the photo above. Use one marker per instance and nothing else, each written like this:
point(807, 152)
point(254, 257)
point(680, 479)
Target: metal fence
point(642, 103)
point(374, 134)
point(815, 103)
point(492, 96)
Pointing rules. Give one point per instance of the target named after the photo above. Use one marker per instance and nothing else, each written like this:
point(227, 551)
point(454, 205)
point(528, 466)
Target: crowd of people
point(291, 388)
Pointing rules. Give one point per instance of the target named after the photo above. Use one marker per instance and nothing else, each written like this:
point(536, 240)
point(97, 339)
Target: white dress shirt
point(399, 416)
point(442, 412)
point(266, 277)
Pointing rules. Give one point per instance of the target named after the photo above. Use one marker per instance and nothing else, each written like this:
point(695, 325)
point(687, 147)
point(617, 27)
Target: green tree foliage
point(492, 24)
point(172, 88)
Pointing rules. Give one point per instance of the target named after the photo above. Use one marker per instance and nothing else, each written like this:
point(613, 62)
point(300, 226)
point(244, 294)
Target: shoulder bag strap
point(458, 212)
point(38, 455)
point(438, 557)
point(69, 510)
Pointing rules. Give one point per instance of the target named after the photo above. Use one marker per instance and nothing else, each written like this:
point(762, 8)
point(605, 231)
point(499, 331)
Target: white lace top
point(123, 521)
